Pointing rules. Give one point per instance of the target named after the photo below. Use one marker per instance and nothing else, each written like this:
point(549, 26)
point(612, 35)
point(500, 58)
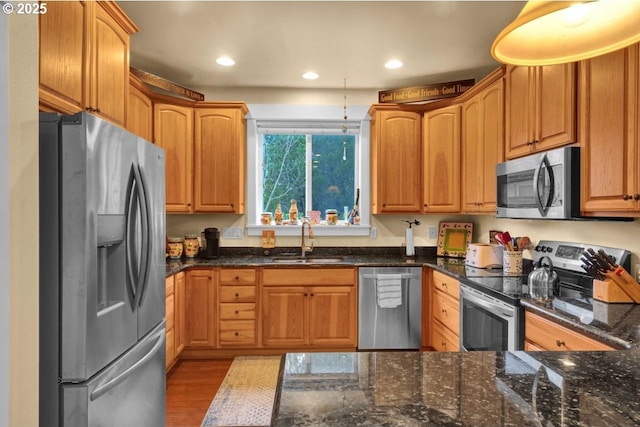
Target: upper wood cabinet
point(220, 160)
point(482, 148)
point(140, 110)
point(539, 108)
point(609, 117)
point(84, 59)
point(441, 160)
point(396, 160)
point(173, 128)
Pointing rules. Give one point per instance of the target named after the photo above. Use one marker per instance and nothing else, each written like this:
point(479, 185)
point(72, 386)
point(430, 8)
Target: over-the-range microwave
point(545, 185)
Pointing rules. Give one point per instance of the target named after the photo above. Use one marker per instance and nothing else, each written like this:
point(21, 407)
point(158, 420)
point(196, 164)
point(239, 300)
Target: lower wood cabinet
point(175, 317)
point(237, 308)
point(200, 331)
point(304, 308)
point(546, 335)
point(442, 318)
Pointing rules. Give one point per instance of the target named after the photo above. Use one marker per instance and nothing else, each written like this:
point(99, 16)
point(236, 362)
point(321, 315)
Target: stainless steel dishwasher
point(389, 308)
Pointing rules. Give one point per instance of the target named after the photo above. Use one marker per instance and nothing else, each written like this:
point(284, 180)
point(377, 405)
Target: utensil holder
point(512, 262)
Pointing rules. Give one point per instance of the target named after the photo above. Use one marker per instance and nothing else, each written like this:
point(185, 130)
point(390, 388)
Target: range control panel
point(567, 255)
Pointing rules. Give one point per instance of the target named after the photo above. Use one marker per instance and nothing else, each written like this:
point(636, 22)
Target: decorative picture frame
point(454, 238)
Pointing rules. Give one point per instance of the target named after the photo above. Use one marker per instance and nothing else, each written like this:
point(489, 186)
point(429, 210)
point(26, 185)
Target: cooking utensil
point(505, 240)
point(601, 266)
point(523, 243)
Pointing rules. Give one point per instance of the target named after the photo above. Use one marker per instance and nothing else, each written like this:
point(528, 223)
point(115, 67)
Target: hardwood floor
point(191, 386)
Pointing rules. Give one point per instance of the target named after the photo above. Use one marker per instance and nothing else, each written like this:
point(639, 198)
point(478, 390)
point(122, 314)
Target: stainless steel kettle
point(542, 280)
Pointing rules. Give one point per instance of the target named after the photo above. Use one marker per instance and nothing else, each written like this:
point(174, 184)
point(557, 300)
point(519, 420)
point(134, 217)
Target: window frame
point(288, 118)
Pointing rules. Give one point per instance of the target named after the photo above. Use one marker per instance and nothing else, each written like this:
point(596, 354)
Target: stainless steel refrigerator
point(102, 271)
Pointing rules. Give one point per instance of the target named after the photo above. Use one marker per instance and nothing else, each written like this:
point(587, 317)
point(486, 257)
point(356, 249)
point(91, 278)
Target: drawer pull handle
point(444, 311)
point(560, 343)
point(444, 344)
point(444, 285)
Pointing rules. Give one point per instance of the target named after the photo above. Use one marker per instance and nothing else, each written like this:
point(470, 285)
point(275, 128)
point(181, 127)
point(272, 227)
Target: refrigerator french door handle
point(147, 245)
point(132, 191)
point(544, 162)
point(106, 387)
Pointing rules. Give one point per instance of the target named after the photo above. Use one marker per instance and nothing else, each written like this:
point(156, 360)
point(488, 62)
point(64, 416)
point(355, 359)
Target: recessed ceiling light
point(310, 75)
point(225, 61)
point(394, 63)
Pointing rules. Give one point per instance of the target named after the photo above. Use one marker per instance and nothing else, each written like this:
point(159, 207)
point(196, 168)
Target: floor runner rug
point(247, 393)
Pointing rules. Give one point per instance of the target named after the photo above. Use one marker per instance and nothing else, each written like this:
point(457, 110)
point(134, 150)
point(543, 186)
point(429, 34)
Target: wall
point(23, 222)
point(4, 223)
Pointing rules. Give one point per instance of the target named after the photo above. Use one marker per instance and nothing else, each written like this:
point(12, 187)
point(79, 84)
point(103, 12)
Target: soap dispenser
point(409, 246)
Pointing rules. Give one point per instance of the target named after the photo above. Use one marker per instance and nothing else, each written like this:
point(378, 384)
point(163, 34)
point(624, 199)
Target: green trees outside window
point(318, 166)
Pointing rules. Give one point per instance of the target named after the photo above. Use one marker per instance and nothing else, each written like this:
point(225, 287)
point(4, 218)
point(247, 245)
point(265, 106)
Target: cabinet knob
point(636, 196)
point(444, 344)
point(237, 278)
point(444, 311)
point(560, 343)
point(444, 285)
point(626, 197)
point(237, 295)
point(535, 141)
point(529, 143)
point(313, 295)
point(236, 333)
point(305, 294)
point(237, 312)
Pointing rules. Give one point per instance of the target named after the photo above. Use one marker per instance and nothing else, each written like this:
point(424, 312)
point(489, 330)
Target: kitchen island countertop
point(459, 389)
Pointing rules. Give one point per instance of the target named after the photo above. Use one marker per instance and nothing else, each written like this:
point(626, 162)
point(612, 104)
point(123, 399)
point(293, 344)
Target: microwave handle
point(544, 162)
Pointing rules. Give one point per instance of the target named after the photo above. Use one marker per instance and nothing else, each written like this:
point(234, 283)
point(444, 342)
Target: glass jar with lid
point(331, 215)
point(265, 218)
point(191, 245)
point(175, 245)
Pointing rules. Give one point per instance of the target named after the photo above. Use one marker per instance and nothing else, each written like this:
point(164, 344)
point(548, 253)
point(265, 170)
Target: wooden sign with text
point(425, 93)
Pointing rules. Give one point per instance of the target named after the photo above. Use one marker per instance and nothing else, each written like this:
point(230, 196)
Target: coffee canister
point(175, 247)
point(191, 245)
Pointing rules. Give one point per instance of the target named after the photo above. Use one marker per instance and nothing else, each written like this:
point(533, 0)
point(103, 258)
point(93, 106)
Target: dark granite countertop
point(615, 324)
point(460, 389)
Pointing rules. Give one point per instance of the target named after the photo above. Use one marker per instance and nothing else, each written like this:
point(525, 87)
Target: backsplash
point(391, 231)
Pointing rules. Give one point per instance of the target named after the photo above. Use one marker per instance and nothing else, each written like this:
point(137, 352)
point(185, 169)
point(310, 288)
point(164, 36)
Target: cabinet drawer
point(236, 311)
point(549, 335)
point(309, 276)
point(446, 310)
point(237, 294)
point(237, 277)
point(446, 284)
point(442, 339)
point(237, 332)
point(169, 311)
point(169, 283)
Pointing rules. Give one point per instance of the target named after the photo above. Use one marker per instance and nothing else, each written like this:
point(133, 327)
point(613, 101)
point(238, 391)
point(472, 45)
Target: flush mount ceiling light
point(225, 61)
point(557, 32)
point(310, 75)
point(393, 64)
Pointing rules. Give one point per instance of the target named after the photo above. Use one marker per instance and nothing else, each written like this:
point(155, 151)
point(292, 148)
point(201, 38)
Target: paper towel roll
point(409, 242)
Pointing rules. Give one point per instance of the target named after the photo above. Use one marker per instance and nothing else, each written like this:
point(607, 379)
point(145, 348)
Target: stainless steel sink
point(310, 260)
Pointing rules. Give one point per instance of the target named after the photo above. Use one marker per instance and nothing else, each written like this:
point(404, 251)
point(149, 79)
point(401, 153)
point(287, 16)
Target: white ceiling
point(274, 43)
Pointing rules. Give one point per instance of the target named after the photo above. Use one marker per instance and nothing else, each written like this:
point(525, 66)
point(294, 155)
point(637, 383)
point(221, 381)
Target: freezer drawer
point(128, 393)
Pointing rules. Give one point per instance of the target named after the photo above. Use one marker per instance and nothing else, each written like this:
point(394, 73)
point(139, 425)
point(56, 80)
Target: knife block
point(609, 291)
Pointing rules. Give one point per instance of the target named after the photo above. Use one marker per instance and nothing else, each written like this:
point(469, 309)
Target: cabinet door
point(140, 114)
point(199, 305)
point(64, 61)
point(332, 316)
point(173, 127)
point(609, 132)
point(396, 156)
point(471, 153)
point(284, 316)
point(219, 160)
point(555, 106)
point(180, 312)
point(519, 110)
point(492, 151)
point(441, 161)
point(110, 68)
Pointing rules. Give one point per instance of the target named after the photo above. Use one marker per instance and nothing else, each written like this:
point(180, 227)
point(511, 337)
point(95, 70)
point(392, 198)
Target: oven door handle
point(486, 302)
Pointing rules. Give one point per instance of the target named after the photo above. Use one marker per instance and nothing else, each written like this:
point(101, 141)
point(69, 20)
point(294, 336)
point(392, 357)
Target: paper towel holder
point(410, 249)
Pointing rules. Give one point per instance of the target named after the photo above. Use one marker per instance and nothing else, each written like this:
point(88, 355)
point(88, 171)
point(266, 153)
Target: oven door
point(488, 324)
